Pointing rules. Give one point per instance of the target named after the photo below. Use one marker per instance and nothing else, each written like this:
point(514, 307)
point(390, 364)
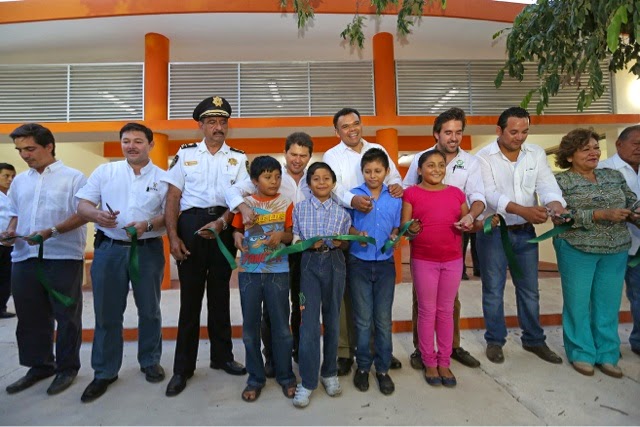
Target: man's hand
point(415, 227)
point(534, 214)
point(396, 190)
point(338, 243)
point(613, 215)
point(178, 249)
point(45, 233)
point(363, 233)
point(206, 234)
point(108, 220)
point(6, 235)
point(362, 203)
point(248, 214)
point(140, 226)
point(275, 237)
point(465, 223)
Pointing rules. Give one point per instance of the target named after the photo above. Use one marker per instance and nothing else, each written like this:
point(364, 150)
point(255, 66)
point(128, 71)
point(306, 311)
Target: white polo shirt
point(524, 181)
point(137, 197)
point(345, 162)
point(43, 201)
point(203, 177)
point(463, 171)
point(633, 181)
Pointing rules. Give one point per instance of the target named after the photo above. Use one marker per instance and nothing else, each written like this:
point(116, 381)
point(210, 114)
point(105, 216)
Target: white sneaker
point(331, 385)
point(301, 399)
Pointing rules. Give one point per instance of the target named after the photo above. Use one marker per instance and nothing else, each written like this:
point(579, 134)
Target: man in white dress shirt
point(198, 178)
point(516, 175)
point(344, 159)
point(298, 148)
point(45, 206)
point(7, 173)
point(130, 193)
point(627, 161)
point(463, 171)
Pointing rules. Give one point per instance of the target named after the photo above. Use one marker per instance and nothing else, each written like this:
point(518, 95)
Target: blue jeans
point(273, 289)
point(591, 293)
point(372, 284)
point(322, 285)
point(493, 267)
point(110, 283)
point(633, 294)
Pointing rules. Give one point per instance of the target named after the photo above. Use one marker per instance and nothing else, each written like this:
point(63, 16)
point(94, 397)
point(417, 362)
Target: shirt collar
point(365, 145)
point(363, 187)
point(317, 203)
point(494, 148)
point(144, 170)
point(51, 168)
point(619, 163)
point(202, 147)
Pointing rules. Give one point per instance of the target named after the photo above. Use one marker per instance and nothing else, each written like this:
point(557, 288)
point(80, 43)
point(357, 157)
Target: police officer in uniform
point(198, 177)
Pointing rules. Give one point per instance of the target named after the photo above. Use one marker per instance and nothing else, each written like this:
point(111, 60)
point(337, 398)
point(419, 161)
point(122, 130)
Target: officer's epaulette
point(192, 145)
point(236, 150)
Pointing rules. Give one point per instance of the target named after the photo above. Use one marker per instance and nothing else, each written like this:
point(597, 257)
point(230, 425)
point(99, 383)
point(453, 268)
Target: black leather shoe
point(177, 383)
point(231, 368)
point(269, 372)
point(385, 384)
point(27, 381)
point(344, 366)
point(395, 363)
point(636, 351)
point(96, 388)
point(4, 314)
point(361, 380)
point(461, 355)
point(544, 353)
point(61, 382)
point(416, 360)
point(153, 373)
point(494, 353)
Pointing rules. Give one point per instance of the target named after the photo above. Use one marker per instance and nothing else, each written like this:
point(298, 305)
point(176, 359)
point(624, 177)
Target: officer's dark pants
point(5, 276)
point(207, 268)
point(38, 312)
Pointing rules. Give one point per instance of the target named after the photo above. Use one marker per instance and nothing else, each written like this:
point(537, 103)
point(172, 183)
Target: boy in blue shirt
point(265, 281)
point(372, 273)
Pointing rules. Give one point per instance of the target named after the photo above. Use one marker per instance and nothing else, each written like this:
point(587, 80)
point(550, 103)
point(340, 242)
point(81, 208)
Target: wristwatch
point(149, 225)
point(224, 224)
point(54, 232)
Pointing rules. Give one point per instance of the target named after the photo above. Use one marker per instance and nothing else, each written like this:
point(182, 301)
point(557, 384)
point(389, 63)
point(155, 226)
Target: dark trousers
point(466, 239)
point(5, 276)
point(294, 287)
point(205, 268)
point(38, 312)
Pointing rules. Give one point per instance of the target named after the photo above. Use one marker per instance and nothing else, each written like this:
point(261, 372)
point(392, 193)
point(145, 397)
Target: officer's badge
point(217, 101)
point(191, 163)
point(174, 161)
point(233, 161)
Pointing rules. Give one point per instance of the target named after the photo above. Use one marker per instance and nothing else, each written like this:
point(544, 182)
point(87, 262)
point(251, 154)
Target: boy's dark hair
point(423, 158)
point(319, 165)
point(132, 127)
point(7, 166)
point(373, 155)
point(299, 138)
point(263, 164)
point(40, 134)
point(344, 112)
point(518, 112)
point(454, 113)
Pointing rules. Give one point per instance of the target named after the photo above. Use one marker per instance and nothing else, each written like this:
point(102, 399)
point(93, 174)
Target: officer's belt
point(216, 211)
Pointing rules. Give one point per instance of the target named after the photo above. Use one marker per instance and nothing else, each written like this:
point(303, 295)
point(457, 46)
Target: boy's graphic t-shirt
point(272, 214)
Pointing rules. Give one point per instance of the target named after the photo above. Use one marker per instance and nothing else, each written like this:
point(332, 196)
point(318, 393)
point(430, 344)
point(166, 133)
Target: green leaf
point(613, 30)
point(499, 78)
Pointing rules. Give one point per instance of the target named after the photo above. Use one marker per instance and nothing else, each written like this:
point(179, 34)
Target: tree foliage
point(409, 12)
point(568, 39)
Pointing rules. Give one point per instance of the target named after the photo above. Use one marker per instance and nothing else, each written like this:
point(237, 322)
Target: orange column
point(156, 89)
point(384, 75)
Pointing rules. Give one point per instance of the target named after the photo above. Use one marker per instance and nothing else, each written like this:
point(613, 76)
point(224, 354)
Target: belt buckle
point(211, 210)
point(324, 248)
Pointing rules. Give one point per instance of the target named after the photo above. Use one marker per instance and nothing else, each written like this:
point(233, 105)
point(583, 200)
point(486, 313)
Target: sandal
point(251, 393)
point(289, 390)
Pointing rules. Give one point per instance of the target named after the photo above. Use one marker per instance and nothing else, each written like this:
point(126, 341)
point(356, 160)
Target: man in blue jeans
point(627, 160)
point(515, 176)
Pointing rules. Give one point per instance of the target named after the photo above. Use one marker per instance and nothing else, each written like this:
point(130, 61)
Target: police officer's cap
point(212, 106)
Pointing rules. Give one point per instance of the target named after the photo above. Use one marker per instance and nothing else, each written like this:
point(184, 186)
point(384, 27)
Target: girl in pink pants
point(436, 264)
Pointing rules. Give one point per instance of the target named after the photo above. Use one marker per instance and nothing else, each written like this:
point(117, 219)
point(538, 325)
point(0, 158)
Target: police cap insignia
point(212, 106)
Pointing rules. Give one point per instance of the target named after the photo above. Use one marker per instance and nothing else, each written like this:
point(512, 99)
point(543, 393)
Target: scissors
point(111, 211)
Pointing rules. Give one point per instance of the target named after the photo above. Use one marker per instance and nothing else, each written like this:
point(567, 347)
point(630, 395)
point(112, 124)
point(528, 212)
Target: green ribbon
point(6, 239)
point(390, 242)
point(634, 260)
point(134, 262)
point(516, 272)
point(63, 299)
point(558, 229)
point(306, 244)
point(225, 252)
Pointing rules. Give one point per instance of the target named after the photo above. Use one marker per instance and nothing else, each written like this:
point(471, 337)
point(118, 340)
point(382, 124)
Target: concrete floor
point(524, 390)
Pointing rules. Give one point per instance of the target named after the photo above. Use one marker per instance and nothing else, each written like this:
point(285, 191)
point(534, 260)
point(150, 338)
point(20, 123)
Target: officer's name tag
point(191, 163)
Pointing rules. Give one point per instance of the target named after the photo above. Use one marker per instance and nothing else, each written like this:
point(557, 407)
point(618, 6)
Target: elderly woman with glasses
point(592, 254)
